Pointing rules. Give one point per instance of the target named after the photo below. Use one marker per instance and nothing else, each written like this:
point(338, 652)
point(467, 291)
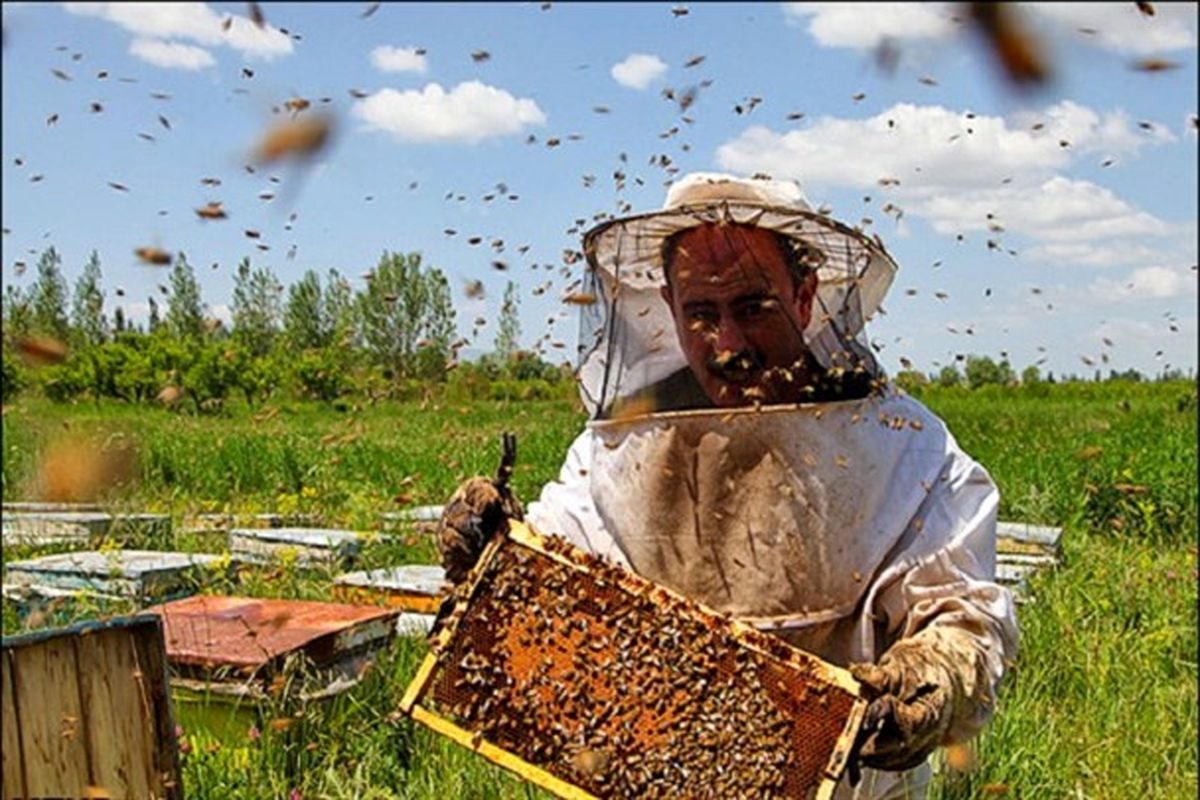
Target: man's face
point(739, 313)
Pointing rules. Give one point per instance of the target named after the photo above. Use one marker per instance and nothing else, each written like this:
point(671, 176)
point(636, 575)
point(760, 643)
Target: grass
point(1102, 701)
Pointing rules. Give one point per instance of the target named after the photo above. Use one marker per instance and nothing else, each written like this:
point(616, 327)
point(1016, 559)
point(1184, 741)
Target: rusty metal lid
point(245, 632)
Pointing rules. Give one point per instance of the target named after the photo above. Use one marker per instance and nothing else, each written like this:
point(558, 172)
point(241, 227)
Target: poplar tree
point(48, 297)
point(185, 311)
point(305, 324)
point(257, 297)
point(508, 333)
point(87, 307)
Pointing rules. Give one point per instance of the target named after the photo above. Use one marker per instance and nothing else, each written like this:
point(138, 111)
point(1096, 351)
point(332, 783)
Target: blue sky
point(1099, 239)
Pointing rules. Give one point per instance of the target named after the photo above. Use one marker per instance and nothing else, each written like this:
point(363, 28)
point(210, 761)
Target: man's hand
point(910, 712)
point(474, 514)
point(476, 511)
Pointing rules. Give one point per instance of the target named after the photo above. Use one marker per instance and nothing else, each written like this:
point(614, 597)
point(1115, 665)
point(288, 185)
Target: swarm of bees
point(614, 685)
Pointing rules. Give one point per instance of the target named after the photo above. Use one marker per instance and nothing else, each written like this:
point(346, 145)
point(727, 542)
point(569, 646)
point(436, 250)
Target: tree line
point(317, 338)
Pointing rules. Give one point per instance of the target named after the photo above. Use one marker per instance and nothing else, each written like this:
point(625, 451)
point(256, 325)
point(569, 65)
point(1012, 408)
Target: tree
point(339, 310)
point(305, 324)
point(17, 311)
point(87, 307)
point(911, 380)
point(1031, 375)
point(440, 329)
point(403, 309)
point(1131, 375)
point(508, 332)
point(185, 311)
point(48, 297)
point(981, 371)
point(949, 376)
point(119, 324)
point(154, 320)
point(256, 306)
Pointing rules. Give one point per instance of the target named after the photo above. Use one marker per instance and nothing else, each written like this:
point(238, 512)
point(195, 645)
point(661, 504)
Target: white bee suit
point(840, 526)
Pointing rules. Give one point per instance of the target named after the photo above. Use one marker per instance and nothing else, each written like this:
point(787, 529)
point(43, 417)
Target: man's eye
point(755, 310)
point(701, 320)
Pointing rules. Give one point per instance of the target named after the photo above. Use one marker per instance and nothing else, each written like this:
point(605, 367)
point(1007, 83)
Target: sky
point(508, 121)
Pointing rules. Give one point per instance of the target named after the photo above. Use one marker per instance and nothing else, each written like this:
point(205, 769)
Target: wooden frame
point(87, 710)
point(749, 637)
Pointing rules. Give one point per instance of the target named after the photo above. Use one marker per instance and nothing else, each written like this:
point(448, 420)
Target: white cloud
point(955, 170)
point(171, 55)
point(1121, 27)
point(1117, 27)
point(1057, 210)
point(190, 21)
point(469, 112)
point(1093, 254)
point(386, 58)
point(866, 25)
point(931, 145)
point(1147, 283)
point(638, 71)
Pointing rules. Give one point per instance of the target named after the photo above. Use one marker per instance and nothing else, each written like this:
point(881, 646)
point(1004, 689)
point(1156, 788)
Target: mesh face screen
point(621, 689)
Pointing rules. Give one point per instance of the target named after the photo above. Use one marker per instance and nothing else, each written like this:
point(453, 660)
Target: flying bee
point(212, 210)
point(296, 105)
point(297, 138)
point(154, 255)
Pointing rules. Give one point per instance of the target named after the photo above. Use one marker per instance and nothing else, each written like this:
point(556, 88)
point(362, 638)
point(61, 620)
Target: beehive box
point(593, 682)
point(140, 575)
point(419, 588)
point(87, 712)
point(237, 645)
point(310, 546)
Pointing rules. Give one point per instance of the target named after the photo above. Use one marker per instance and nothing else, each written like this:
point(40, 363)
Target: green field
point(1102, 702)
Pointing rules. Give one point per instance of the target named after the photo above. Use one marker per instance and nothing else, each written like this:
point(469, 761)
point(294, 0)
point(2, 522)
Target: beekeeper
point(746, 450)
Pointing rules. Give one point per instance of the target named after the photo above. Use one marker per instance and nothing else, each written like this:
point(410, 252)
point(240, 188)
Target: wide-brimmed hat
point(628, 250)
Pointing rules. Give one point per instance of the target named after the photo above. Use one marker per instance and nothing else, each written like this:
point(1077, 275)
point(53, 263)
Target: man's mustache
point(735, 366)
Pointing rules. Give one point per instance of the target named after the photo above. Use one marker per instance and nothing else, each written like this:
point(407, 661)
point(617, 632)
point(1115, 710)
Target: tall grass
point(1101, 703)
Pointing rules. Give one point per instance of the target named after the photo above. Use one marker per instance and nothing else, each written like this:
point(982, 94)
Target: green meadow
point(1102, 701)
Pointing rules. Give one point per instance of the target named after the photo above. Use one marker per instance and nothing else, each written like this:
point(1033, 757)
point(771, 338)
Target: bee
point(295, 138)
point(1154, 65)
point(212, 210)
point(154, 255)
point(296, 105)
point(41, 350)
point(256, 15)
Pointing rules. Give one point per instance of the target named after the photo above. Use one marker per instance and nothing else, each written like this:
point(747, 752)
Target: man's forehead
point(713, 239)
point(727, 256)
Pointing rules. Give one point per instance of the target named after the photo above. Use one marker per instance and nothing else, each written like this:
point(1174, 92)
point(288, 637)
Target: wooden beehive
point(419, 588)
point(87, 712)
point(593, 682)
point(236, 646)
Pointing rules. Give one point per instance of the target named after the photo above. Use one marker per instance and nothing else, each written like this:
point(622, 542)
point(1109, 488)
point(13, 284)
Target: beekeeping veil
point(763, 512)
point(627, 338)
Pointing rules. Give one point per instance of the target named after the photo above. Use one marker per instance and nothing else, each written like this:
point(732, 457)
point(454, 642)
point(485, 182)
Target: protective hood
point(628, 340)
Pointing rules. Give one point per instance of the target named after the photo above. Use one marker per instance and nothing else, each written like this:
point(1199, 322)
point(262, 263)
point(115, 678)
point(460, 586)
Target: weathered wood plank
point(118, 714)
point(53, 745)
point(155, 680)
point(14, 776)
